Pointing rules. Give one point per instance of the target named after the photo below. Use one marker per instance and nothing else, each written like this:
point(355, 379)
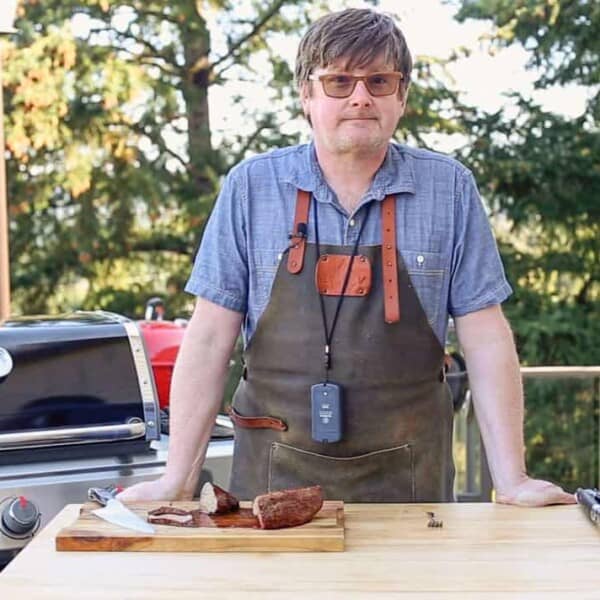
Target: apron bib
point(397, 407)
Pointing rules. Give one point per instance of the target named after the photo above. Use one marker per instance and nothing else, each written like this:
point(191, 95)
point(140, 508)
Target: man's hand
point(534, 492)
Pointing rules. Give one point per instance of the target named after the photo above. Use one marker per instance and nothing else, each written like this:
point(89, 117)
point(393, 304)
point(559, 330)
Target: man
point(344, 319)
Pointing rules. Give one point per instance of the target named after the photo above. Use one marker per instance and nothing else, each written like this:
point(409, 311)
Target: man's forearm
point(495, 382)
point(196, 395)
point(197, 391)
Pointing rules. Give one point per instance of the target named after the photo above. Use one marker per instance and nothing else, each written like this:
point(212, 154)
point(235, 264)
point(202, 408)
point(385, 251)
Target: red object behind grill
point(162, 340)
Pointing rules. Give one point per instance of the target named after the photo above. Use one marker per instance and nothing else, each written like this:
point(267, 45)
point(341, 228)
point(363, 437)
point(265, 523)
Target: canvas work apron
point(397, 407)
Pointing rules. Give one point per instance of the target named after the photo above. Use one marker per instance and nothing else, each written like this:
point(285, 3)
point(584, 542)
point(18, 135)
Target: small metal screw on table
point(433, 522)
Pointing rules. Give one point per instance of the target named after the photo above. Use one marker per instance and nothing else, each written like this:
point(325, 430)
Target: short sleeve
point(220, 271)
point(477, 277)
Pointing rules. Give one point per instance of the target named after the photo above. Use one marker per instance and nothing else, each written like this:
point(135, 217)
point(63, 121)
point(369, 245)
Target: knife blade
point(115, 512)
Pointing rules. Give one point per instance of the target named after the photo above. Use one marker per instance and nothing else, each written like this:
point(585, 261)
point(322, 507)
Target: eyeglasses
point(341, 85)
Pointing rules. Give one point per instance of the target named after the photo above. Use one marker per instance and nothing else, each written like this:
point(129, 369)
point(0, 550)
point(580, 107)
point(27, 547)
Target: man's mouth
point(359, 119)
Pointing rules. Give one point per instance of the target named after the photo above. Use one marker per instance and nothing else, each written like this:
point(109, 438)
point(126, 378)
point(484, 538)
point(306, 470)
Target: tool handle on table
point(103, 495)
point(589, 499)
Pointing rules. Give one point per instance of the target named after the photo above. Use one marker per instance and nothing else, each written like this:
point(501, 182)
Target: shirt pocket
point(426, 271)
point(266, 263)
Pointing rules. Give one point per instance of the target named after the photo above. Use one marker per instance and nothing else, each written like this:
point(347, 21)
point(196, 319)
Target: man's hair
point(356, 35)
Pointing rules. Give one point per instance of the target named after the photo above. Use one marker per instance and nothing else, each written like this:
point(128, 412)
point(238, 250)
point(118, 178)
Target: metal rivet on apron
point(389, 246)
point(389, 263)
point(362, 259)
point(360, 291)
point(294, 263)
point(324, 258)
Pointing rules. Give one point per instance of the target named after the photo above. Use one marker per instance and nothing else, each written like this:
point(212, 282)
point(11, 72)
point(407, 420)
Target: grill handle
point(72, 435)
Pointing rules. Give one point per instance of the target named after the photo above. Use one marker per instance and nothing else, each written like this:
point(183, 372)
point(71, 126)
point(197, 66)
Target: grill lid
point(78, 378)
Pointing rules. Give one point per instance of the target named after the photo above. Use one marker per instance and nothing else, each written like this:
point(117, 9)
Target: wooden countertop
point(482, 551)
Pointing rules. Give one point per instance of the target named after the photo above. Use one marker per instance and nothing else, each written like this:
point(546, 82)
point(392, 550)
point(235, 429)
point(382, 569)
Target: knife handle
point(103, 495)
point(588, 498)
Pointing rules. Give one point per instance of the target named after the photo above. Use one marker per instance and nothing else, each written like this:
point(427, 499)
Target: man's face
point(359, 124)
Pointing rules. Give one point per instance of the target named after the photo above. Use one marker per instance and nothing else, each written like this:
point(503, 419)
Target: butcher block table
point(482, 551)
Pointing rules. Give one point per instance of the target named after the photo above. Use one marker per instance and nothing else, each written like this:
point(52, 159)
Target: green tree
point(541, 172)
point(111, 161)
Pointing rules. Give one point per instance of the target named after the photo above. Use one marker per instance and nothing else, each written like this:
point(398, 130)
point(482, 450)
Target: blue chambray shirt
point(443, 232)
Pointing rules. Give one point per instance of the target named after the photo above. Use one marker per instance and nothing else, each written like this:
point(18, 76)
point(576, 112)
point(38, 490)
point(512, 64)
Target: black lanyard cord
point(329, 333)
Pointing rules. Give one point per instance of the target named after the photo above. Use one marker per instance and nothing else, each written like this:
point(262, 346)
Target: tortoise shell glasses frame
point(342, 85)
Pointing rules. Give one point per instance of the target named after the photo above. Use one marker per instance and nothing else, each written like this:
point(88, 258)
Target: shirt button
point(420, 259)
point(352, 223)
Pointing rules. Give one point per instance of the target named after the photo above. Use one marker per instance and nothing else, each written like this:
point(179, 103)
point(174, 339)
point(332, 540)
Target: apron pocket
point(381, 476)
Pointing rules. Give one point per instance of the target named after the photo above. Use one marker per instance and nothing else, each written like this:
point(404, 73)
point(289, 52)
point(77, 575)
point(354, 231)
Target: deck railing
point(474, 483)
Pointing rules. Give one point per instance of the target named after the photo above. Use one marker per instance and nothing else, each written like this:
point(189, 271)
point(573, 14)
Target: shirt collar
point(396, 175)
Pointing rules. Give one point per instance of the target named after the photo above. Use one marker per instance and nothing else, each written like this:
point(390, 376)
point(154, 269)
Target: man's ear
point(405, 96)
point(304, 96)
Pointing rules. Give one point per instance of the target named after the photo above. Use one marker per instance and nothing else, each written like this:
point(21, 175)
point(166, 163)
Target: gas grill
point(79, 408)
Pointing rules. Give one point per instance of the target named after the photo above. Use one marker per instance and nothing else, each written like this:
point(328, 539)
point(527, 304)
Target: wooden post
point(4, 262)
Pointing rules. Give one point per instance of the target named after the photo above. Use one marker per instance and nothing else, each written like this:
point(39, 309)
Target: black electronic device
point(326, 410)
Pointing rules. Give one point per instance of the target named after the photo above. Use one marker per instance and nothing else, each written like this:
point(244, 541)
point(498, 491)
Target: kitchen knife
point(116, 512)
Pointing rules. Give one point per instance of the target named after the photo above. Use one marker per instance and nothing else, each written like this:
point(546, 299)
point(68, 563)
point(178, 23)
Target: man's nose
point(360, 96)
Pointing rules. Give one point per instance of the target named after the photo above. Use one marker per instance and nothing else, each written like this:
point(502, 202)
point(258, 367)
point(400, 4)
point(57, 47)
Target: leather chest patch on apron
point(331, 271)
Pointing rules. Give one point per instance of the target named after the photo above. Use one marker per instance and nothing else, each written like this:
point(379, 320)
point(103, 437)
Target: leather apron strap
point(298, 236)
point(391, 297)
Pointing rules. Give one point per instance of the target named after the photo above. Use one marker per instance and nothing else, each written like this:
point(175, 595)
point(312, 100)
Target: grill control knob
point(20, 516)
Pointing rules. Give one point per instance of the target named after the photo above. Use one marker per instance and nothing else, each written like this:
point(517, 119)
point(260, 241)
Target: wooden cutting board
point(236, 533)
